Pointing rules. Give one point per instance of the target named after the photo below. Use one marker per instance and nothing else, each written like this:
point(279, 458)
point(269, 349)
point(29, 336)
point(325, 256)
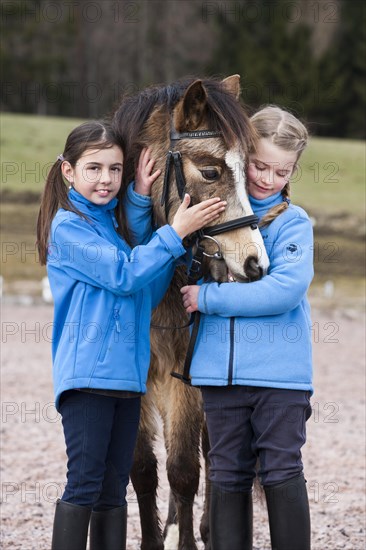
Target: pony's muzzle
point(252, 269)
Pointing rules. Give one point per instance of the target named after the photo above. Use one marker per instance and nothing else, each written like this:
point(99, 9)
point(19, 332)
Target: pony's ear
point(232, 85)
point(191, 109)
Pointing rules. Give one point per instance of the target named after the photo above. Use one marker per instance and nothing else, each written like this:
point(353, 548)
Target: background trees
point(76, 57)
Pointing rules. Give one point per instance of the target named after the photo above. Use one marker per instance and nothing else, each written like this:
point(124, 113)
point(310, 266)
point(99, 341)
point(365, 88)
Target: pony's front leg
point(182, 429)
point(144, 477)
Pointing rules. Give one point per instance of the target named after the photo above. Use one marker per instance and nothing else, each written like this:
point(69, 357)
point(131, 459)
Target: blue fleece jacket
point(258, 334)
point(103, 295)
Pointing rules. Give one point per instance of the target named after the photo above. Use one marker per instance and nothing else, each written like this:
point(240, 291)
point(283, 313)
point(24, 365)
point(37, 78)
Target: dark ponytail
point(54, 197)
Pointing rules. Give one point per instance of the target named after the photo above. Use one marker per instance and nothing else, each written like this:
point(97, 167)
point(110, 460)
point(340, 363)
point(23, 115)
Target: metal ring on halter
point(217, 255)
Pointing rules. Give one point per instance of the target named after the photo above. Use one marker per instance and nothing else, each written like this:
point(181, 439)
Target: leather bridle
point(174, 159)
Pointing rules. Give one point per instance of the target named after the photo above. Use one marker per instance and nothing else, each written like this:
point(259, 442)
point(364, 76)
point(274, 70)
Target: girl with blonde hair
point(253, 357)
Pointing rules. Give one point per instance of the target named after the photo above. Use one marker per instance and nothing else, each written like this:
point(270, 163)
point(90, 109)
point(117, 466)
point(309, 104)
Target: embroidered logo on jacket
point(292, 248)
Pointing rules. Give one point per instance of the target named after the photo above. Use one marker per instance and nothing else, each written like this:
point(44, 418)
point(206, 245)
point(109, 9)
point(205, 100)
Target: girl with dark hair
point(103, 291)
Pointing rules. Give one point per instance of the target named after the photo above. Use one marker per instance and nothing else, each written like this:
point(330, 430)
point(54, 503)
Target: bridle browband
point(174, 159)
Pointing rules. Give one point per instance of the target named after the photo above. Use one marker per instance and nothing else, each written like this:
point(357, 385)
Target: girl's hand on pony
point(190, 297)
point(188, 220)
point(144, 176)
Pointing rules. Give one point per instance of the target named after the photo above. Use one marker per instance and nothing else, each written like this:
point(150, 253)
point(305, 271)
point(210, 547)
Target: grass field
point(330, 177)
point(29, 146)
point(330, 185)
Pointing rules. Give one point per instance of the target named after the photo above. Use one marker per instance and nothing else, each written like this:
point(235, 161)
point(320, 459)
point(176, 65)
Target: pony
point(199, 127)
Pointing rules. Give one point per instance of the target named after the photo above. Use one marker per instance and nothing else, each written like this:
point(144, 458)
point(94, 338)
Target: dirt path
point(33, 459)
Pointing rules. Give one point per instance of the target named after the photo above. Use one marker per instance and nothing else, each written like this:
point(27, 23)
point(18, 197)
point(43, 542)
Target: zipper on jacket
point(231, 355)
point(116, 319)
point(139, 297)
point(114, 220)
point(118, 239)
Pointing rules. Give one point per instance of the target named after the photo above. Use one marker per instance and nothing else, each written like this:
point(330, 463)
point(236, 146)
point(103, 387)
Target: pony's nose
point(252, 269)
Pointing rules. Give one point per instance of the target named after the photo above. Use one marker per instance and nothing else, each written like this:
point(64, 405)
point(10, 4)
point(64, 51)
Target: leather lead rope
point(185, 377)
point(195, 273)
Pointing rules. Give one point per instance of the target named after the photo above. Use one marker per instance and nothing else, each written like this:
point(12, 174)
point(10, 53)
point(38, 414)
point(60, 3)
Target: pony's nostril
point(252, 270)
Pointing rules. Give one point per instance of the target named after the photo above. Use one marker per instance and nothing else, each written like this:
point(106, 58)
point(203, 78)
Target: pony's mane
point(224, 114)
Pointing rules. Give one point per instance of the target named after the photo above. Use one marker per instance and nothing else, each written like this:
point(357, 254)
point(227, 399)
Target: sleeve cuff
point(137, 199)
point(172, 240)
point(202, 304)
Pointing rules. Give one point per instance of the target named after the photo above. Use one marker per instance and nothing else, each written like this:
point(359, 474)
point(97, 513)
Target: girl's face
point(270, 168)
point(97, 174)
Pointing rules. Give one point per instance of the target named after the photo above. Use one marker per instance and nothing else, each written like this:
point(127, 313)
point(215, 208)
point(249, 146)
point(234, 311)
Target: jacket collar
point(85, 206)
point(269, 202)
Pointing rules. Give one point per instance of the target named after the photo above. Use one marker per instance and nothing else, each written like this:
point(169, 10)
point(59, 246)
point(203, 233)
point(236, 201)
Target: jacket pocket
point(112, 335)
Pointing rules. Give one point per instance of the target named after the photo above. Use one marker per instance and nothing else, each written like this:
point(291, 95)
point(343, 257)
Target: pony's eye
point(210, 173)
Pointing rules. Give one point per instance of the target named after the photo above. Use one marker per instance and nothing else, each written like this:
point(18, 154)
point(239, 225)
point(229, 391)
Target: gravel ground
point(33, 459)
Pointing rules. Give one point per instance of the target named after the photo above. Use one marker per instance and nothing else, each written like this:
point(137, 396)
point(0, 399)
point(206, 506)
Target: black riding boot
point(231, 520)
point(108, 529)
point(70, 526)
point(289, 516)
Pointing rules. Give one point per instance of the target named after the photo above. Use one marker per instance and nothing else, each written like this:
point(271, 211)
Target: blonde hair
point(285, 131)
